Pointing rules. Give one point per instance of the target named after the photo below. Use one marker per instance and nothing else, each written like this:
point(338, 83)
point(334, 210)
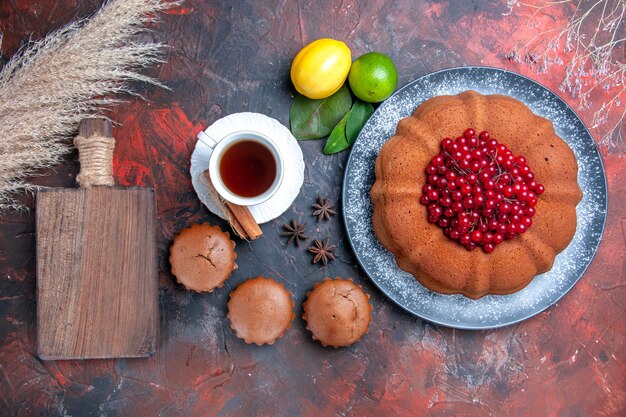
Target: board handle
point(95, 144)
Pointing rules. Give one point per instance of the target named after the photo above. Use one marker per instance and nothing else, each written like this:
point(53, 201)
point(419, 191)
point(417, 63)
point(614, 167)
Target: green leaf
point(314, 119)
point(337, 140)
point(361, 111)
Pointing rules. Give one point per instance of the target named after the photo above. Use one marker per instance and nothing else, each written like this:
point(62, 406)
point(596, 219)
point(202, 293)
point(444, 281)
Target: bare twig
point(593, 40)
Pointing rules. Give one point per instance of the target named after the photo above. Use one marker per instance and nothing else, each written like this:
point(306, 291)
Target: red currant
point(479, 192)
point(476, 236)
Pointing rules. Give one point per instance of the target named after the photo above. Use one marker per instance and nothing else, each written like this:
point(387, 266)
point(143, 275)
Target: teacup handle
point(206, 139)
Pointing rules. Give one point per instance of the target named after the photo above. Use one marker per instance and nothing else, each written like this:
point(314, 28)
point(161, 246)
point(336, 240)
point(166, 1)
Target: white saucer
point(284, 140)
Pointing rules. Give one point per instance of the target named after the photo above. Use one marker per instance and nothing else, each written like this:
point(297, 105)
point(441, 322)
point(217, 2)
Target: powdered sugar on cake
point(456, 310)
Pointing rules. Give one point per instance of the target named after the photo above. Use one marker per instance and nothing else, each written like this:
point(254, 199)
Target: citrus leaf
point(337, 140)
point(314, 119)
point(361, 111)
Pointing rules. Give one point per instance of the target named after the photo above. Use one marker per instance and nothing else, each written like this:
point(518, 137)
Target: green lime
point(373, 77)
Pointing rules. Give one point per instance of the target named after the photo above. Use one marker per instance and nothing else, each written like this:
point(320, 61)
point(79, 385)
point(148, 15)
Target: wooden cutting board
point(97, 273)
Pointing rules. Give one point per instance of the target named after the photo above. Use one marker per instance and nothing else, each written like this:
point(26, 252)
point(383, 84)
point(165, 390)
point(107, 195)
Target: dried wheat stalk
point(73, 73)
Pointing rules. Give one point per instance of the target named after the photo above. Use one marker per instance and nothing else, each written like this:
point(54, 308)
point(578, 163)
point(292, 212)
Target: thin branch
point(595, 45)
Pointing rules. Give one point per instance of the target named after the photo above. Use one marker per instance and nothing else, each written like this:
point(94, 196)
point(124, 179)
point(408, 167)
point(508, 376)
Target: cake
point(409, 225)
point(202, 257)
point(260, 310)
point(337, 312)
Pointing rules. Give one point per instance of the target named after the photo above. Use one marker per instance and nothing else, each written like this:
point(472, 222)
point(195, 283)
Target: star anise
point(295, 232)
point(323, 209)
point(323, 251)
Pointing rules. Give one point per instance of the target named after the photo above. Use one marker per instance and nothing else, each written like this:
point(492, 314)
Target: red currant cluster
point(478, 192)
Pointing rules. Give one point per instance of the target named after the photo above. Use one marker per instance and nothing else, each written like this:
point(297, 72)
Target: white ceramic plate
point(284, 140)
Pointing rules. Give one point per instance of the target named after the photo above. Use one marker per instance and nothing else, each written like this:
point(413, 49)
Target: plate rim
point(278, 128)
point(533, 312)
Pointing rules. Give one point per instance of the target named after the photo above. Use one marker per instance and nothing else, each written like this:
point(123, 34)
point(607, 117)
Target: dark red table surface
point(229, 57)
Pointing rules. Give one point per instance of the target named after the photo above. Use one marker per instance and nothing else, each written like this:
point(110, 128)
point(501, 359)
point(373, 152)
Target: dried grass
point(73, 73)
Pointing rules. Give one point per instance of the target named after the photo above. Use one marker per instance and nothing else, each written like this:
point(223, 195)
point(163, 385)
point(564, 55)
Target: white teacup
point(221, 146)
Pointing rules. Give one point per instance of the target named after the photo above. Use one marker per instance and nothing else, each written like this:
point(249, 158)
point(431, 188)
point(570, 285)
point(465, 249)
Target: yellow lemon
point(321, 68)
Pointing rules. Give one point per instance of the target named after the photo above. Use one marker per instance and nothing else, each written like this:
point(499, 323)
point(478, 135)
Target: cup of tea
point(245, 167)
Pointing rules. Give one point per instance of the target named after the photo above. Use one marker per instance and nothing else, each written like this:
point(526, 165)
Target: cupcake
point(260, 310)
point(202, 257)
point(337, 312)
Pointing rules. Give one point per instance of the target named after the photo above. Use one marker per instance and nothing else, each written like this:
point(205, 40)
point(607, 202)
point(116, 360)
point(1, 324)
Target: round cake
point(337, 312)
point(260, 310)
point(410, 225)
point(202, 257)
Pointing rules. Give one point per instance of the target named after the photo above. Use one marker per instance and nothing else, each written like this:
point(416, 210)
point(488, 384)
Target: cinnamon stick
point(239, 217)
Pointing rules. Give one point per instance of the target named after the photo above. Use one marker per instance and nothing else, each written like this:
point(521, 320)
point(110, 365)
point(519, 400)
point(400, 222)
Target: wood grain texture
point(228, 57)
point(95, 126)
point(97, 278)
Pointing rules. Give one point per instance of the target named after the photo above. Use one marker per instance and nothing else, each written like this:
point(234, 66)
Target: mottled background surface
point(234, 56)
